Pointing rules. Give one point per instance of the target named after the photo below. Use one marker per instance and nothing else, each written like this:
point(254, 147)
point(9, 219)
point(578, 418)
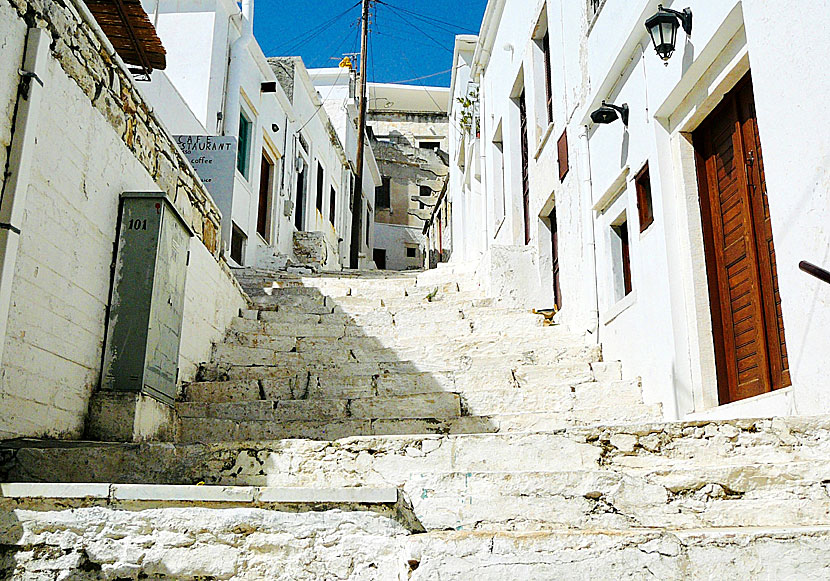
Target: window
point(321, 179)
point(562, 147)
point(525, 165)
point(548, 76)
point(425, 192)
point(382, 193)
point(433, 145)
point(411, 252)
point(498, 177)
point(244, 145)
point(332, 205)
point(622, 259)
point(644, 207)
point(266, 184)
point(238, 240)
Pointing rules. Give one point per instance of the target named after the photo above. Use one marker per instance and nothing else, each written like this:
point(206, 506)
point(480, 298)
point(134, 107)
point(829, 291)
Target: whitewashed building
point(409, 136)
point(219, 73)
point(674, 238)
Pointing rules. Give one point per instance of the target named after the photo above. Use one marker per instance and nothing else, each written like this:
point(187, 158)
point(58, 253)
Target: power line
point(454, 28)
point(305, 37)
point(405, 21)
point(424, 77)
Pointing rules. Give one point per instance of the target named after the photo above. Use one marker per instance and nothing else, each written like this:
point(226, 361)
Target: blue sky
point(409, 38)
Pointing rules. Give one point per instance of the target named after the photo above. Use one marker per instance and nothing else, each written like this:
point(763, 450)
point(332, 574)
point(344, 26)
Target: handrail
point(814, 270)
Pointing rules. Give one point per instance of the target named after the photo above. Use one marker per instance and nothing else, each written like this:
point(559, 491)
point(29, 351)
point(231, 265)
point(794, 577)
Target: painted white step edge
point(202, 494)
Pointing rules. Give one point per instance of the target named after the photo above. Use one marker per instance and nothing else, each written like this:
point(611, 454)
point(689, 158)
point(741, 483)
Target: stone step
point(792, 552)
point(254, 333)
point(433, 405)
point(389, 460)
point(317, 398)
point(189, 541)
point(291, 424)
point(753, 495)
point(298, 373)
point(361, 357)
point(200, 429)
point(523, 380)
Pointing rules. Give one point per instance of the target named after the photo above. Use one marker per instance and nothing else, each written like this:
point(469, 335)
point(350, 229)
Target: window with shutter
point(562, 148)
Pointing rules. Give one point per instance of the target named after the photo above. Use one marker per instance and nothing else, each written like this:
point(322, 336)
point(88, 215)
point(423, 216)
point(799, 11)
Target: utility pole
point(357, 199)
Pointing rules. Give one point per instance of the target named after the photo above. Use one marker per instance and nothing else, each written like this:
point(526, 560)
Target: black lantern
point(609, 113)
point(663, 29)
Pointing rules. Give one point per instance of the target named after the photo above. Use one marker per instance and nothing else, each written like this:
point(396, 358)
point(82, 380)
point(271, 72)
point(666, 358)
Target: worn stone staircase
point(399, 427)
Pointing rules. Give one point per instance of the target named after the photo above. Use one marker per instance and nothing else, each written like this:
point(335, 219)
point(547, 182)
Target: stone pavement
point(401, 426)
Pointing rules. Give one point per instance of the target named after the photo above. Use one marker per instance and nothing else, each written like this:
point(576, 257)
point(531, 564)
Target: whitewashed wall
point(662, 330)
point(52, 356)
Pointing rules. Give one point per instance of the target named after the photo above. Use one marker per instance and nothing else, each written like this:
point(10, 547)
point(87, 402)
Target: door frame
point(760, 282)
point(694, 372)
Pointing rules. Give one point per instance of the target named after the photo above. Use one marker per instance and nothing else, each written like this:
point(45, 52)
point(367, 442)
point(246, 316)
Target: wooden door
point(525, 165)
point(554, 244)
point(747, 324)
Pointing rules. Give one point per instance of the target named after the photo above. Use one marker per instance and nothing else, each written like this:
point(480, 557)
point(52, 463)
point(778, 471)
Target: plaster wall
point(82, 162)
point(12, 42)
point(395, 239)
point(662, 330)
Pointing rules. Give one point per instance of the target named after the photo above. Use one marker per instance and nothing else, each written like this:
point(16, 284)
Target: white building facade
point(291, 166)
point(675, 239)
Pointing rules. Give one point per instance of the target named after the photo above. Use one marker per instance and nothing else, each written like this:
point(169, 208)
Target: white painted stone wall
point(52, 356)
point(662, 330)
point(12, 36)
point(394, 239)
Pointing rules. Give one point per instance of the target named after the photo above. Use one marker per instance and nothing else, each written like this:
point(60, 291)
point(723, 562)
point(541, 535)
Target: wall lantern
point(663, 29)
point(609, 113)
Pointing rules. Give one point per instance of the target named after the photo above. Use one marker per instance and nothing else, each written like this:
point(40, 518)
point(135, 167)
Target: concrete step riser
point(219, 430)
point(552, 397)
point(436, 405)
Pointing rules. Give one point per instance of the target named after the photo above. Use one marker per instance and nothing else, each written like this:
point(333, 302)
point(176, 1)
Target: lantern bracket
point(685, 17)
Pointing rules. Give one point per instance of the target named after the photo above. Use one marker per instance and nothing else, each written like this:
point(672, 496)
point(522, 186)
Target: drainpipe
point(239, 49)
point(589, 235)
point(19, 164)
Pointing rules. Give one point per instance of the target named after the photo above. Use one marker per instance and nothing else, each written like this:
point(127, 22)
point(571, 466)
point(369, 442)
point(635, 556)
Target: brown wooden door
point(554, 245)
point(525, 165)
point(743, 285)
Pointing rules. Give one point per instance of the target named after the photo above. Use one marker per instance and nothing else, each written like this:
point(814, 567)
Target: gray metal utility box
point(147, 302)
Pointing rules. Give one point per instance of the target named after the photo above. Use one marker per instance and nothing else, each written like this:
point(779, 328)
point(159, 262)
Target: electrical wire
point(425, 76)
point(405, 21)
point(454, 28)
point(309, 35)
point(331, 89)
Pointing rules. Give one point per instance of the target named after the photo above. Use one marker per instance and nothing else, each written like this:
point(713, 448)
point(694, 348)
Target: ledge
point(164, 493)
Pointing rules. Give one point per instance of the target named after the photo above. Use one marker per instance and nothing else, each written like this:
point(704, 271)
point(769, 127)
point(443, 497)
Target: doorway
point(554, 250)
point(379, 256)
point(747, 323)
point(263, 222)
point(299, 210)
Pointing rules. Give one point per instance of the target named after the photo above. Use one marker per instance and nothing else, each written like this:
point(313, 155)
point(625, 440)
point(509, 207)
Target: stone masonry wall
point(95, 139)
